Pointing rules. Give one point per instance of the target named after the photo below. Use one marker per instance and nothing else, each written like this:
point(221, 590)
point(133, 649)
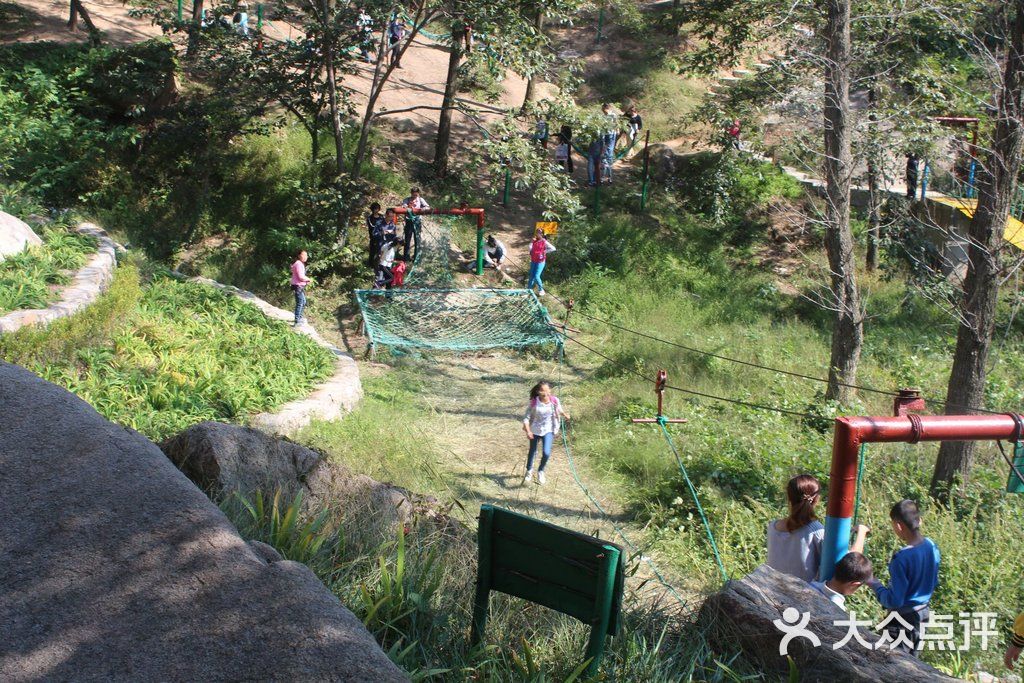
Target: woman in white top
point(541, 423)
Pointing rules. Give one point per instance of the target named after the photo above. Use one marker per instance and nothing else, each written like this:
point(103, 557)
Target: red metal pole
point(851, 432)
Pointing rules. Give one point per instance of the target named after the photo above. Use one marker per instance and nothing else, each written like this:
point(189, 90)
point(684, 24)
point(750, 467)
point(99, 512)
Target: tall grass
point(171, 354)
point(415, 590)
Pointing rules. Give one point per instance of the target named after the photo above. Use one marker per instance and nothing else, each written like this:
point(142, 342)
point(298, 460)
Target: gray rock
point(744, 611)
point(114, 566)
point(221, 458)
point(15, 235)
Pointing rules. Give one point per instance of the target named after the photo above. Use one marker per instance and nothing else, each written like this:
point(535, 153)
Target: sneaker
point(540, 293)
point(528, 477)
point(540, 478)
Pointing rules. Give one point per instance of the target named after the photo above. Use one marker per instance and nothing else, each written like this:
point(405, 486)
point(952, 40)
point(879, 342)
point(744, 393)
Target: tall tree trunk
point(847, 329)
point(531, 85)
point(195, 27)
point(997, 184)
point(444, 124)
point(79, 10)
point(332, 88)
point(874, 185)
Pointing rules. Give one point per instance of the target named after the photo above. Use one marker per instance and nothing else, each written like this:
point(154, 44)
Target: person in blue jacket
point(913, 576)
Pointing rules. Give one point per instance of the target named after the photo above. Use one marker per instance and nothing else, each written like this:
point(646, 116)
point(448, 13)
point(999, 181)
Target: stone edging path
point(85, 287)
point(330, 400)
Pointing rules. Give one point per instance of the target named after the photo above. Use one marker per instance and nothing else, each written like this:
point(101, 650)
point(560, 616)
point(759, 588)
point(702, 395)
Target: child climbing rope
point(541, 424)
point(794, 543)
point(539, 250)
point(299, 283)
point(913, 576)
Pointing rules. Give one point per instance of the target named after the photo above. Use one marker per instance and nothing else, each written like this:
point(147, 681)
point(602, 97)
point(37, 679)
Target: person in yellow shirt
point(1016, 642)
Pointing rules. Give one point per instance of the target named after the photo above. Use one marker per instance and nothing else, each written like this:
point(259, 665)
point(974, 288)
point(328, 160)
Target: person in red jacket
point(398, 272)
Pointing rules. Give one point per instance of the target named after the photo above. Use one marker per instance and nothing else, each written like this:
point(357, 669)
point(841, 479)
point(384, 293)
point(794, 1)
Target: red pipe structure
point(851, 432)
point(461, 211)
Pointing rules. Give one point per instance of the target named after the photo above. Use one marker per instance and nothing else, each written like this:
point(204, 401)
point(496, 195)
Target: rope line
point(758, 406)
point(696, 498)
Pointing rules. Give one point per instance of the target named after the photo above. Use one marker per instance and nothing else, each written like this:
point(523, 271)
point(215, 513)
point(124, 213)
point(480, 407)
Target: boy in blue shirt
point(913, 576)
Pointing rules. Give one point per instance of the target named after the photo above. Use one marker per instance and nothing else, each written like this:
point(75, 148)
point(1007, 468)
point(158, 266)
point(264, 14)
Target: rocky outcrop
point(745, 613)
point(222, 458)
point(114, 566)
point(15, 236)
point(85, 287)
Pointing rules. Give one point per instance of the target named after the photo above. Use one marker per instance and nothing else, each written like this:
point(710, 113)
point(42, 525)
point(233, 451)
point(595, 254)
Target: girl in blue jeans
point(541, 424)
point(539, 250)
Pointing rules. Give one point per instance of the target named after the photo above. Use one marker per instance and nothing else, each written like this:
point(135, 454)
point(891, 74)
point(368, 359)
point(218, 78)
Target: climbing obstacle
point(430, 313)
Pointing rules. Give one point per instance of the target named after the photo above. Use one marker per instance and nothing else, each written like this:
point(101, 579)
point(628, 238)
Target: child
point(398, 272)
point(299, 282)
point(851, 572)
point(396, 33)
point(913, 576)
point(541, 424)
point(794, 543)
point(541, 132)
point(494, 254)
point(562, 154)
point(384, 275)
point(634, 121)
point(411, 237)
point(375, 222)
point(539, 250)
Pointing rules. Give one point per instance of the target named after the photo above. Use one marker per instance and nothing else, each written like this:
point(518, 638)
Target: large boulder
point(15, 236)
point(745, 613)
point(224, 458)
point(114, 566)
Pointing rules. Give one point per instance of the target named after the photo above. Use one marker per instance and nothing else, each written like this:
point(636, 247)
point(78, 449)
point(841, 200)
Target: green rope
point(860, 476)
point(696, 499)
point(632, 546)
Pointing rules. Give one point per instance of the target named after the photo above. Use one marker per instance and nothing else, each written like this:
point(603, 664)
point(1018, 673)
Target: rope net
point(437, 316)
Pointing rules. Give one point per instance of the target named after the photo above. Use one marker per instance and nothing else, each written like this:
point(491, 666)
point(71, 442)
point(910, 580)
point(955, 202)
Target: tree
point(997, 185)
point(848, 322)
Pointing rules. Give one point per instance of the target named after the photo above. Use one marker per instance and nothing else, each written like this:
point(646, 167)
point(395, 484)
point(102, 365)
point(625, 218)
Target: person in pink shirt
point(539, 250)
point(299, 282)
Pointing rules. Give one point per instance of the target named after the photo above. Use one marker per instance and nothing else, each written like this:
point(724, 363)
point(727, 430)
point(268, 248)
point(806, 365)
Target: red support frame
point(851, 432)
point(463, 210)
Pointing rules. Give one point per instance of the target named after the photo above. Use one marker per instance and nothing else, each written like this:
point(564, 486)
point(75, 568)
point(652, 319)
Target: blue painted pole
point(971, 191)
point(835, 546)
point(924, 180)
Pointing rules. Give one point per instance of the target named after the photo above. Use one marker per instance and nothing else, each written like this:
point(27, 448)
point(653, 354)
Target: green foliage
point(176, 354)
point(58, 344)
point(26, 277)
point(280, 524)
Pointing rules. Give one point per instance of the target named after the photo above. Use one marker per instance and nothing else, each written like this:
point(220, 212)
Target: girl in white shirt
point(541, 423)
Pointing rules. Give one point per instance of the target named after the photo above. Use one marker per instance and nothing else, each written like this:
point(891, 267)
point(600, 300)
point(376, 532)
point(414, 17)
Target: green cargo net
point(437, 316)
point(455, 319)
point(431, 267)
